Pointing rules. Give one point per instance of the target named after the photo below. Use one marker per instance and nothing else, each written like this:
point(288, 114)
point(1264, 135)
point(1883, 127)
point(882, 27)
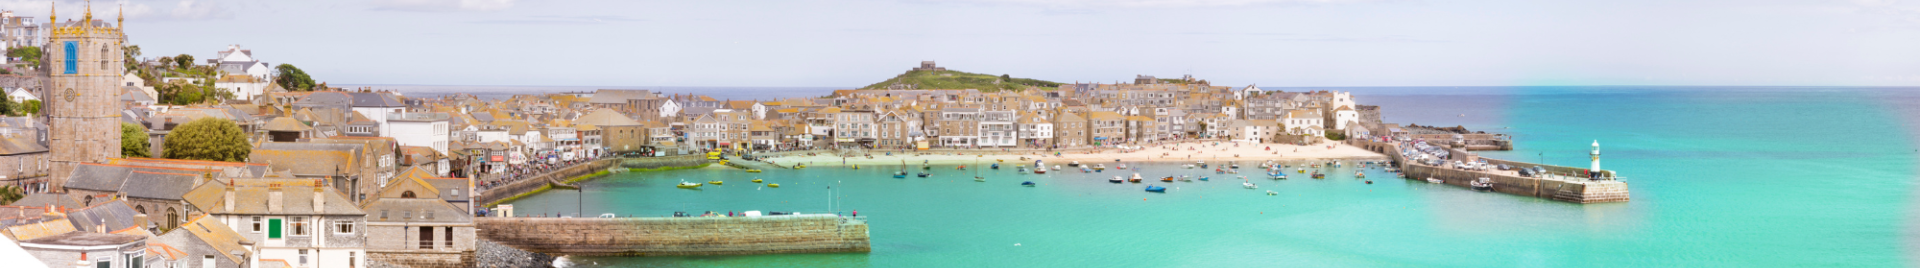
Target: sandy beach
point(1212, 152)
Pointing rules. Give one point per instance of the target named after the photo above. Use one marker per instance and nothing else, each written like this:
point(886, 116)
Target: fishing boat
point(994, 166)
point(1134, 180)
point(1040, 170)
point(1271, 192)
point(753, 171)
point(1117, 179)
point(1027, 184)
point(924, 174)
point(903, 170)
point(1187, 166)
point(715, 182)
point(1318, 175)
point(1186, 179)
point(1167, 179)
point(1120, 166)
point(1203, 164)
point(1483, 184)
point(1085, 170)
point(1433, 180)
point(1056, 167)
point(1369, 181)
point(773, 185)
point(799, 166)
point(1073, 164)
point(1277, 176)
point(1203, 178)
point(689, 185)
point(1233, 165)
point(979, 179)
point(1301, 170)
point(756, 180)
point(1099, 167)
point(1249, 185)
point(1156, 189)
point(1359, 175)
point(1021, 169)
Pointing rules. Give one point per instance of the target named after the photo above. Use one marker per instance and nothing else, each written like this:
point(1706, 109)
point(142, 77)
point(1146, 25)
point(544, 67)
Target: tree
point(7, 107)
point(207, 138)
point(29, 54)
point(292, 78)
point(10, 193)
point(32, 107)
point(183, 61)
point(131, 54)
point(133, 141)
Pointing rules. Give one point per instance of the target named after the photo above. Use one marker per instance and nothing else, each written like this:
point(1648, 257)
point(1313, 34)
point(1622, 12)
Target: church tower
point(83, 67)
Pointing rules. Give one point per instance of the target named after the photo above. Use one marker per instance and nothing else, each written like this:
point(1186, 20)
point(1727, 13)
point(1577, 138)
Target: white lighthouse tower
point(1596, 156)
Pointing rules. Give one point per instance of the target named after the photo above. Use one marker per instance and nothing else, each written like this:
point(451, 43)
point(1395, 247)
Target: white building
point(997, 129)
point(1304, 122)
point(297, 220)
point(243, 87)
point(240, 61)
point(377, 106)
point(420, 129)
point(1343, 116)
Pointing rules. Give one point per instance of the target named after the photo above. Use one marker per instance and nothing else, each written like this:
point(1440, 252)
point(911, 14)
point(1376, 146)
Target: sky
point(852, 43)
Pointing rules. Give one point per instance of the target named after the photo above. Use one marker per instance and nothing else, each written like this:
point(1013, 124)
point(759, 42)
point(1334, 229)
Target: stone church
point(84, 67)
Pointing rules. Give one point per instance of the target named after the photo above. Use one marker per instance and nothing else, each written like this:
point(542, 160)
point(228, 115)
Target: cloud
point(133, 10)
point(442, 5)
point(562, 20)
point(1082, 4)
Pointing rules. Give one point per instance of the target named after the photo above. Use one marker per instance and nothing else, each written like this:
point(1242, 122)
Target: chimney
point(140, 220)
point(274, 198)
point(319, 197)
point(229, 196)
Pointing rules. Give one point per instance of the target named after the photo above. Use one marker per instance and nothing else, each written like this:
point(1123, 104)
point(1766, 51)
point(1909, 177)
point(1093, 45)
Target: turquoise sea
point(1721, 177)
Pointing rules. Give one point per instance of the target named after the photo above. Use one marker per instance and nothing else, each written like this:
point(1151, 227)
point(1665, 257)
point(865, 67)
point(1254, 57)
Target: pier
point(679, 236)
point(1559, 183)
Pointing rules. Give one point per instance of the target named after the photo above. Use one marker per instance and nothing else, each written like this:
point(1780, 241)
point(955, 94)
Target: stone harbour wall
point(679, 236)
point(424, 259)
point(1576, 191)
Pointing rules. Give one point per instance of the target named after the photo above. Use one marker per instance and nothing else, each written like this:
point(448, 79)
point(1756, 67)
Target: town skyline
point(853, 43)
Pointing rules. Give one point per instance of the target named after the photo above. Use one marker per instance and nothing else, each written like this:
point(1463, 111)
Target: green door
point(273, 228)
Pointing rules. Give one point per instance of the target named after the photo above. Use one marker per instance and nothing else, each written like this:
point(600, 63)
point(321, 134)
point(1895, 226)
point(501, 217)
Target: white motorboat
point(1249, 185)
point(1433, 180)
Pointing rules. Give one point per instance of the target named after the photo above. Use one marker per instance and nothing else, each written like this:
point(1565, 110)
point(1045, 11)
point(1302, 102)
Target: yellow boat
point(753, 171)
point(689, 185)
point(714, 182)
point(799, 166)
point(756, 180)
point(773, 185)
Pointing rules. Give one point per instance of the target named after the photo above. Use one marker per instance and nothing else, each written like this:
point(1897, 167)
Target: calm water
point(1720, 176)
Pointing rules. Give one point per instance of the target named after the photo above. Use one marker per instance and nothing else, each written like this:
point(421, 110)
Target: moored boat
point(1249, 185)
point(1027, 184)
point(1073, 164)
point(1482, 184)
point(1433, 180)
point(688, 185)
point(715, 182)
point(994, 166)
point(1117, 179)
point(979, 179)
point(1167, 179)
point(1271, 192)
point(1156, 189)
point(756, 180)
point(924, 174)
point(773, 185)
point(753, 171)
point(1359, 175)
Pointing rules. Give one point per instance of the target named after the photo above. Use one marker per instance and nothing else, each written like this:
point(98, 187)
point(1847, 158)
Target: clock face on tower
point(72, 94)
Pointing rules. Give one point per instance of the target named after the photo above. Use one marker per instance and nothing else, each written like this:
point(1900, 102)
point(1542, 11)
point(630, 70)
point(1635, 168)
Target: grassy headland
point(927, 79)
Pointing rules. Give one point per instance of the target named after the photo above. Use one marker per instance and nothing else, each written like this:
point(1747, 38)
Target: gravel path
point(491, 255)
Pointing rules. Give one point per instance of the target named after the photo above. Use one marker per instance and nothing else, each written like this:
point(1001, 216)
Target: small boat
point(1301, 170)
point(1099, 167)
point(689, 185)
point(1433, 180)
point(1120, 166)
point(1040, 170)
point(756, 180)
point(1203, 178)
point(1027, 184)
point(979, 179)
point(715, 182)
point(773, 185)
point(900, 175)
point(962, 167)
point(1277, 176)
point(1483, 184)
point(1359, 175)
point(994, 166)
point(1167, 179)
point(1117, 179)
point(1249, 185)
point(1189, 166)
point(1271, 192)
point(1186, 179)
point(799, 166)
point(1021, 169)
point(1232, 165)
point(1219, 171)
point(1156, 189)
point(1318, 175)
point(1056, 167)
point(1134, 180)
point(753, 171)
point(1073, 164)
point(1203, 164)
point(1369, 181)
point(924, 174)
point(856, 166)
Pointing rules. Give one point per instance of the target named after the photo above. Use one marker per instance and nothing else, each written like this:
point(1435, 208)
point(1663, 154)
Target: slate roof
point(326, 99)
point(605, 117)
point(220, 239)
point(618, 96)
point(20, 144)
point(287, 124)
point(415, 210)
point(115, 215)
point(133, 181)
point(45, 199)
point(376, 100)
point(251, 197)
point(84, 239)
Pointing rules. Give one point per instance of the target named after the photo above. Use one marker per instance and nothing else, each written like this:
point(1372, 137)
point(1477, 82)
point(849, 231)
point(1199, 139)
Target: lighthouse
point(1596, 156)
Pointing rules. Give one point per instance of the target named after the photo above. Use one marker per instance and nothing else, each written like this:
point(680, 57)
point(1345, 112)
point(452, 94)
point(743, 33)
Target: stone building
point(83, 92)
point(411, 223)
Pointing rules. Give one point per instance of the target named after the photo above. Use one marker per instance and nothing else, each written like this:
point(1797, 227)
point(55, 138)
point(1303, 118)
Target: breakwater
point(663, 236)
point(543, 181)
point(1575, 189)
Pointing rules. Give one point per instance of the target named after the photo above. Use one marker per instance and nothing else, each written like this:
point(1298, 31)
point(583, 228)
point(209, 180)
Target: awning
point(1099, 138)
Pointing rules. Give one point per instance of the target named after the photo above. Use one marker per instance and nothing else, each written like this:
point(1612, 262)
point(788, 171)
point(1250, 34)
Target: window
point(299, 225)
point(406, 194)
point(449, 238)
point(426, 237)
point(303, 257)
point(206, 261)
point(72, 52)
point(256, 224)
point(343, 227)
point(351, 260)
